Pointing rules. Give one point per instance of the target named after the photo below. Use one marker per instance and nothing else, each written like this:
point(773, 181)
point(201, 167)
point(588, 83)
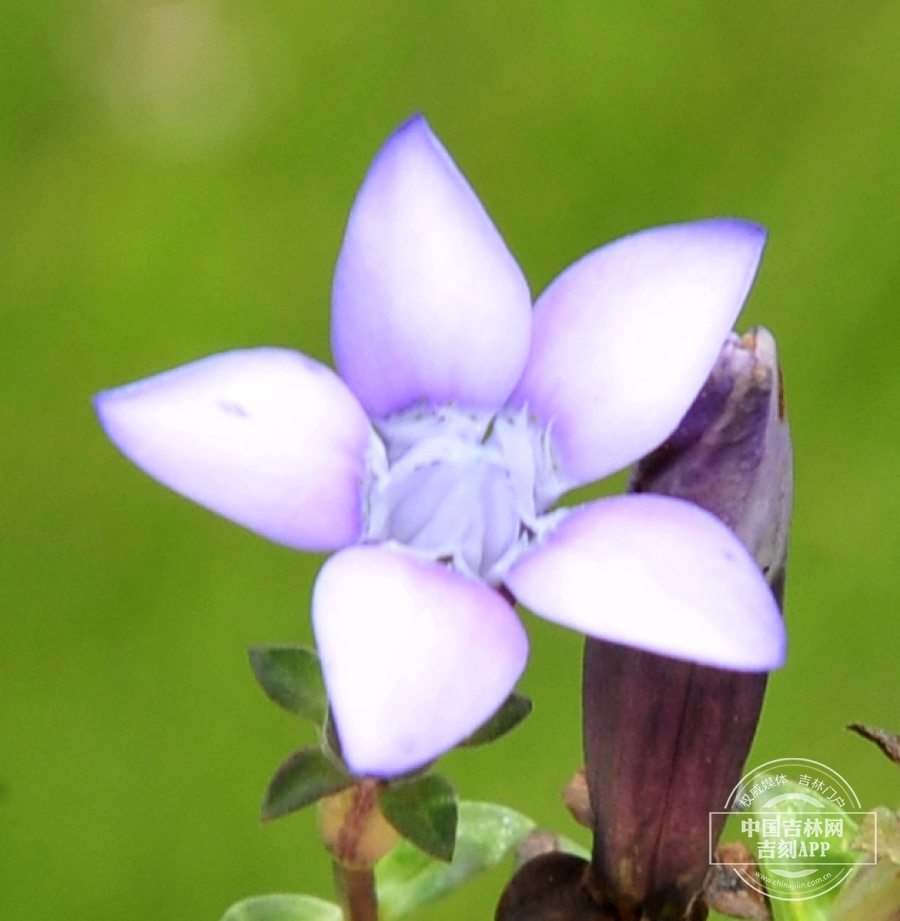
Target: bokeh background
point(174, 181)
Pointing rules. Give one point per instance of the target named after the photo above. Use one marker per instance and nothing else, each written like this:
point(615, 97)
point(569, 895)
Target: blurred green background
point(175, 178)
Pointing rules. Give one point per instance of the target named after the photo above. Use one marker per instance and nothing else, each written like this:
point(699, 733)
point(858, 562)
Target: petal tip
point(416, 123)
point(741, 234)
point(413, 134)
point(740, 226)
point(100, 401)
point(107, 406)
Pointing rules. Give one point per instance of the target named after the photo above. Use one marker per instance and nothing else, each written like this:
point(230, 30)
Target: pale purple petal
point(624, 339)
point(266, 437)
point(416, 656)
point(429, 304)
point(659, 574)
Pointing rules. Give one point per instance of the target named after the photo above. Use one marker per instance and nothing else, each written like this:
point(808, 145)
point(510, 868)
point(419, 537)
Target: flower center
point(460, 487)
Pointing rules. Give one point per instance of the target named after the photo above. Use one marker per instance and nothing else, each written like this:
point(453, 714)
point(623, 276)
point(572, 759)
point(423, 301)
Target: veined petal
point(266, 437)
point(428, 302)
point(415, 656)
point(659, 574)
point(624, 339)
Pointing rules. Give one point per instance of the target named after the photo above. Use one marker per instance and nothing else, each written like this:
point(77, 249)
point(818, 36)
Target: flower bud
point(666, 740)
point(732, 453)
point(554, 886)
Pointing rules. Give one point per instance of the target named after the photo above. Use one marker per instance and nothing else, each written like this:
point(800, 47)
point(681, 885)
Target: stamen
point(460, 486)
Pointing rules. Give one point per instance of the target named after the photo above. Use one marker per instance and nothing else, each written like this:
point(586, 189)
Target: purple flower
point(432, 464)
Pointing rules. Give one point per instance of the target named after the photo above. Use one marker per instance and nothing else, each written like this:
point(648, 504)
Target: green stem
point(356, 889)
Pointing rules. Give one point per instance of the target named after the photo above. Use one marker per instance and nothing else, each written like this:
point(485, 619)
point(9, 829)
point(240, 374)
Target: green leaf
point(512, 711)
point(304, 777)
point(292, 677)
point(424, 810)
point(283, 908)
point(486, 834)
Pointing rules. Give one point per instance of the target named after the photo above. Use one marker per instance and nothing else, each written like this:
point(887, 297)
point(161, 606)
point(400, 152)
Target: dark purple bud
point(552, 887)
point(732, 452)
point(666, 740)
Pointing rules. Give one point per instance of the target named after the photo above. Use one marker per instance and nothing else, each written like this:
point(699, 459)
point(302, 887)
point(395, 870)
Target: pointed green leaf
point(512, 711)
point(292, 677)
point(283, 908)
point(304, 777)
point(407, 879)
point(424, 810)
